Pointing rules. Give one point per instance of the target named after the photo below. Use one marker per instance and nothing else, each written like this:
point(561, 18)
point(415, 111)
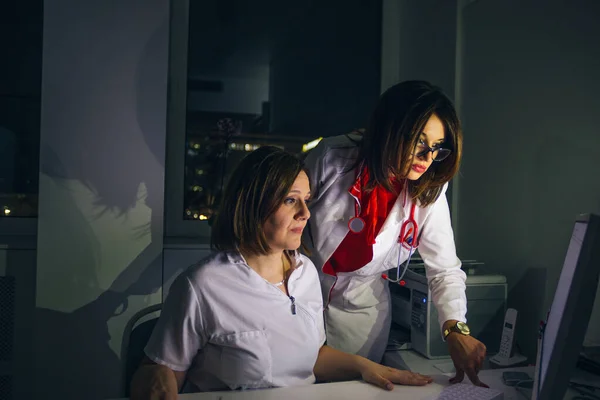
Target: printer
point(415, 318)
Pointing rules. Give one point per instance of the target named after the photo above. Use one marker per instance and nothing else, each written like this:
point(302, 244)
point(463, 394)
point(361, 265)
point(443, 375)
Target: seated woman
point(251, 315)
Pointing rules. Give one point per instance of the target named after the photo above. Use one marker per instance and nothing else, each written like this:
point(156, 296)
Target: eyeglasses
point(438, 153)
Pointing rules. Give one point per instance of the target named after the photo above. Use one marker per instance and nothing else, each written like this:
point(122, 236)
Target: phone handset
point(506, 356)
point(508, 334)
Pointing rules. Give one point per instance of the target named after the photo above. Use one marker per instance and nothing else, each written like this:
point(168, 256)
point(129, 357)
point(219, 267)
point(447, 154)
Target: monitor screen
point(570, 311)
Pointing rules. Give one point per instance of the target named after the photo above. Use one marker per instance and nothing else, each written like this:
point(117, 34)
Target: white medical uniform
point(231, 329)
point(357, 304)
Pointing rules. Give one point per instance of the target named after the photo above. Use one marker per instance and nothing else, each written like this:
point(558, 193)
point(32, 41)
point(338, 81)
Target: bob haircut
point(394, 130)
point(256, 189)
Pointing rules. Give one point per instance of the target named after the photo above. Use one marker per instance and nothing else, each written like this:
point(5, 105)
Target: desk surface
point(334, 391)
point(360, 390)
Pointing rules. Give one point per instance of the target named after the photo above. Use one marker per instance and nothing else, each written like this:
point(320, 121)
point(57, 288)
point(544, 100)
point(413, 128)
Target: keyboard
point(467, 391)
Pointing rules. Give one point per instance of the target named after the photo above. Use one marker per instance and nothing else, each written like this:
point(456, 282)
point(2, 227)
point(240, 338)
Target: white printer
point(415, 318)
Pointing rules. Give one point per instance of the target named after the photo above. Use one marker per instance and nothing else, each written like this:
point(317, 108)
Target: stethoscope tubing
point(356, 224)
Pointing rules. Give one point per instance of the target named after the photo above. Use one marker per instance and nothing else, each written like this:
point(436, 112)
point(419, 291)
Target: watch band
point(459, 327)
point(447, 332)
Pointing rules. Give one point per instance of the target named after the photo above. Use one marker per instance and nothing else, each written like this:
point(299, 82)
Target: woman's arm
point(154, 381)
point(335, 365)
point(443, 267)
point(175, 341)
point(447, 283)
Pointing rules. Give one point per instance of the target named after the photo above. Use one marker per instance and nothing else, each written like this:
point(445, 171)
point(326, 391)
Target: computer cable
point(520, 390)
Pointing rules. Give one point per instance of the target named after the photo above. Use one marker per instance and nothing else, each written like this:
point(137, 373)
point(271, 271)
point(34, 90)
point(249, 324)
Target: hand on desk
point(467, 354)
point(385, 377)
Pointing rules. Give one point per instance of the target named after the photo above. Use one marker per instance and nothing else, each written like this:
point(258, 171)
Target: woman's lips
point(418, 168)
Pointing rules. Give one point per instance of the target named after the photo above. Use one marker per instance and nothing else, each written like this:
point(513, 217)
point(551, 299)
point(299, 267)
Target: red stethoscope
point(408, 238)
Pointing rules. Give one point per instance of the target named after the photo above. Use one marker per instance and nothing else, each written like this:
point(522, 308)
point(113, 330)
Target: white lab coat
point(357, 304)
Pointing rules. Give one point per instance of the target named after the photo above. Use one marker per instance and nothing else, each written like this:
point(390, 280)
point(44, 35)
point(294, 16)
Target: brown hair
point(256, 189)
point(396, 124)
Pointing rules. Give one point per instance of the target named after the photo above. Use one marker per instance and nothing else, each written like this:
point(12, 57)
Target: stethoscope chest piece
point(356, 224)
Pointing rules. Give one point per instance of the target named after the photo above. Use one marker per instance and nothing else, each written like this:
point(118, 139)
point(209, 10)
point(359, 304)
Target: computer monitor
point(562, 340)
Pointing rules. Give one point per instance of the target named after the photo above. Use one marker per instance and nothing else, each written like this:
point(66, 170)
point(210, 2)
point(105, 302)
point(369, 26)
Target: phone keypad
point(505, 346)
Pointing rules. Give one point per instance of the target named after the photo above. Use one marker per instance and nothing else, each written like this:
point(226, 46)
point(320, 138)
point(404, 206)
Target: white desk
point(334, 391)
point(352, 390)
point(411, 360)
point(360, 390)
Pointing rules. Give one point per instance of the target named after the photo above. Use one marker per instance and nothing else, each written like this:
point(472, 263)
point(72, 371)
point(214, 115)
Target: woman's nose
point(304, 212)
point(427, 157)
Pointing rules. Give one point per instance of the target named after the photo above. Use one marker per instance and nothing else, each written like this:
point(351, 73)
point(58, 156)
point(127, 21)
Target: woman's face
point(432, 136)
point(283, 229)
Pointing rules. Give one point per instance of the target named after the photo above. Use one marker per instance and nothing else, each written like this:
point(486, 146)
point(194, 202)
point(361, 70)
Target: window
point(20, 92)
point(215, 143)
point(248, 74)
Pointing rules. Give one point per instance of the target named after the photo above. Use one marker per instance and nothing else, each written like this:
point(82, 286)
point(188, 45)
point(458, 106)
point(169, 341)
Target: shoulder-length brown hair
point(256, 189)
point(394, 131)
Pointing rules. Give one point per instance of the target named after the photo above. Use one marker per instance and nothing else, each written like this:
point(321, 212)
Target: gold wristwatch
point(459, 327)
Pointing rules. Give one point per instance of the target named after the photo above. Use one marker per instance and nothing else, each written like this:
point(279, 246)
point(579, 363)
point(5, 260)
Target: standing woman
point(377, 197)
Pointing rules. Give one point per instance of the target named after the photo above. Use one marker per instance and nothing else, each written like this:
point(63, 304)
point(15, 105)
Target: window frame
point(18, 226)
point(175, 224)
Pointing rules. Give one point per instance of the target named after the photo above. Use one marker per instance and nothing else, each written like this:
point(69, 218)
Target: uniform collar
point(235, 257)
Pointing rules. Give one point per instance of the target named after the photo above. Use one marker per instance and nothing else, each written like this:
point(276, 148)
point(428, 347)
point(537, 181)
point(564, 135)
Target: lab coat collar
point(235, 257)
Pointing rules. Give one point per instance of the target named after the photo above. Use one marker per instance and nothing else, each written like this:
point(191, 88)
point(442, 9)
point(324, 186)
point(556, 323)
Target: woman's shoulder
point(210, 268)
point(344, 146)
point(341, 144)
point(333, 156)
point(347, 141)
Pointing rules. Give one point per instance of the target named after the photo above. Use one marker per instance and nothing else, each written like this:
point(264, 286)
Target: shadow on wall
point(73, 353)
point(527, 297)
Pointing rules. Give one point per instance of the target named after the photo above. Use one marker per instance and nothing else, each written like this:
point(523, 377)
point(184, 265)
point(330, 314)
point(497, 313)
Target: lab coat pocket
point(245, 360)
point(364, 292)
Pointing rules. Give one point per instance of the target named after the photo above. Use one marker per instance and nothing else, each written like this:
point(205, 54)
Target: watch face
point(463, 328)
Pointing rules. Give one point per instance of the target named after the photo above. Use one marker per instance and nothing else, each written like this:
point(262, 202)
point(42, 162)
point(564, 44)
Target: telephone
point(506, 355)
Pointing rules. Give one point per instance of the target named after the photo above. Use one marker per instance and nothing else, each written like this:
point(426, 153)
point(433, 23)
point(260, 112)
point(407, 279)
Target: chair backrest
point(135, 338)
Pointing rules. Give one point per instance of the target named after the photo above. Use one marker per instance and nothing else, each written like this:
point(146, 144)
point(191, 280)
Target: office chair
point(135, 337)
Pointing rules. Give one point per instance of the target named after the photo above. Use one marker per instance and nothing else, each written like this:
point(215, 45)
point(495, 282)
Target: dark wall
point(530, 111)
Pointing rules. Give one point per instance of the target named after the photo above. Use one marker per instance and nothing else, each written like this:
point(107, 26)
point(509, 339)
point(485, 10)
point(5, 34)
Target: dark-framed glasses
point(438, 153)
